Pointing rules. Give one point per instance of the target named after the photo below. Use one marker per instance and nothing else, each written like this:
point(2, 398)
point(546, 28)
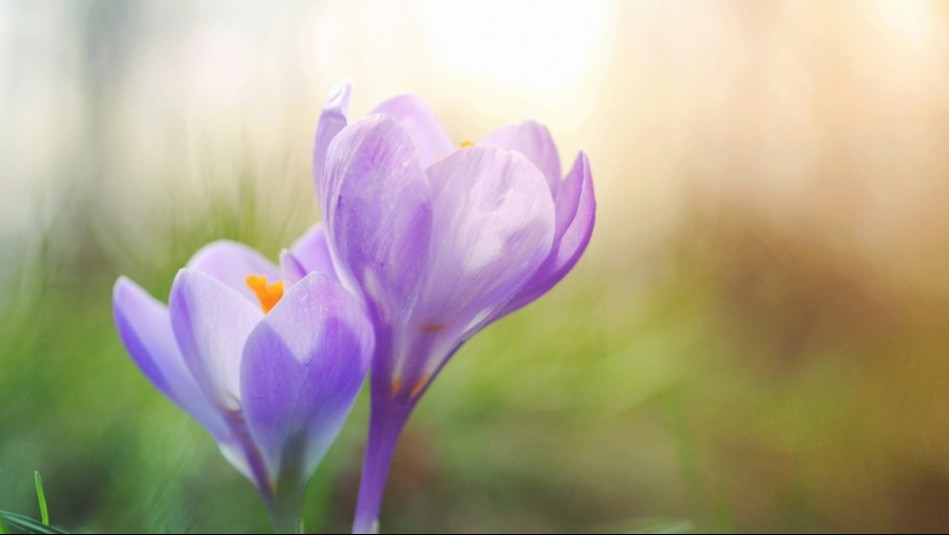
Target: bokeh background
point(756, 339)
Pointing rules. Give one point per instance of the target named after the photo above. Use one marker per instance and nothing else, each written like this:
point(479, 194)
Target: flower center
point(268, 294)
point(465, 144)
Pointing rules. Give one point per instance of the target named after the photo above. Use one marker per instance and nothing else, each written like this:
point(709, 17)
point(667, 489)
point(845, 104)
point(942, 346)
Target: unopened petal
point(493, 225)
point(534, 141)
point(576, 214)
point(302, 369)
point(420, 122)
point(378, 216)
point(332, 120)
point(211, 322)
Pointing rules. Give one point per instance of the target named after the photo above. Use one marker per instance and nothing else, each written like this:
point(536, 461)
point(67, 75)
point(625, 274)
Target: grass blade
point(28, 524)
point(41, 496)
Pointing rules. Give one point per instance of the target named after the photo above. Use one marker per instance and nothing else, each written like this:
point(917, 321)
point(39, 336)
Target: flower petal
point(145, 329)
point(534, 141)
point(309, 253)
point(378, 217)
point(332, 120)
point(291, 269)
point(211, 323)
point(493, 221)
point(419, 120)
point(302, 368)
point(576, 214)
point(230, 263)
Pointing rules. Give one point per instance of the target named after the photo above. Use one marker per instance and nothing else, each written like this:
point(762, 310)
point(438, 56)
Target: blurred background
point(756, 339)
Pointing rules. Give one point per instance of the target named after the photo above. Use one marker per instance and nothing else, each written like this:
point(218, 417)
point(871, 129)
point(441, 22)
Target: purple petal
point(576, 213)
point(236, 454)
point(494, 224)
point(378, 216)
point(211, 323)
point(533, 140)
point(493, 221)
point(231, 262)
point(419, 120)
point(291, 268)
point(332, 120)
point(309, 253)
point(145, 329)
point(302, 369)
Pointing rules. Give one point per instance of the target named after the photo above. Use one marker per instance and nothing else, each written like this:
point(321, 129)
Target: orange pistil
point(268, 294)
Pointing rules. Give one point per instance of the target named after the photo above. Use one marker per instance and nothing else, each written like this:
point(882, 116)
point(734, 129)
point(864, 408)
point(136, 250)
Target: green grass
point(41, 498)
point(26, 524)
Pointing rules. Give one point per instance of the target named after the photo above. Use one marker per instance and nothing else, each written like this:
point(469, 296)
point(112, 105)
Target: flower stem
point(286, 510)
point(385, 426)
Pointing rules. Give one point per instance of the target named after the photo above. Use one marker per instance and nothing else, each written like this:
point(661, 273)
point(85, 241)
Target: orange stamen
point(268, 294)
point(396, 385)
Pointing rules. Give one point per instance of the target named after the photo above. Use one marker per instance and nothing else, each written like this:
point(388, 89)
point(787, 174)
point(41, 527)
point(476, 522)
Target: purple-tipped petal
point(534, 141)
point(332, 120)
point(378, 215)
point(230, 263)
point(576, 214)
point(494, 221)
point(302, 369)
point(309, 253)
point(211, 322)
point(419, 120)
point(145, 329)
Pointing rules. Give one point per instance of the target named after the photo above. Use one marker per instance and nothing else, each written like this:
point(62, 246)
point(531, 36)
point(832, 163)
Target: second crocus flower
point(269, 362)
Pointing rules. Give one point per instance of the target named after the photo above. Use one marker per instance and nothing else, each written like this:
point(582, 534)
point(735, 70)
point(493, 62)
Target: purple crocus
point(271, 376)
point(441, 240)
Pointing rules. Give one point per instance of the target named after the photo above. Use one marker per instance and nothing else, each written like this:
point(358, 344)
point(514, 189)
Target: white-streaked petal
point(211, 322)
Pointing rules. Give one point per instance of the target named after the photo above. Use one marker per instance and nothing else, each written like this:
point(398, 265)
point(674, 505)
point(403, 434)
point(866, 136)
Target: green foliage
point(41, 497)
point(27, 524)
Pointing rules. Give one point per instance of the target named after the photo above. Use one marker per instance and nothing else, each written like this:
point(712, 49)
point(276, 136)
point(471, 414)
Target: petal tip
point(122, 285)
point(125, 291)
point(339, 97)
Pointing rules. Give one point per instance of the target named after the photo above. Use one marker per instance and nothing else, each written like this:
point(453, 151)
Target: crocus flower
point(440, 239)
point(271, 376)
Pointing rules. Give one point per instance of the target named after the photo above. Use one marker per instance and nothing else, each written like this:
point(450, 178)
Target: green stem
point(286, 511)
